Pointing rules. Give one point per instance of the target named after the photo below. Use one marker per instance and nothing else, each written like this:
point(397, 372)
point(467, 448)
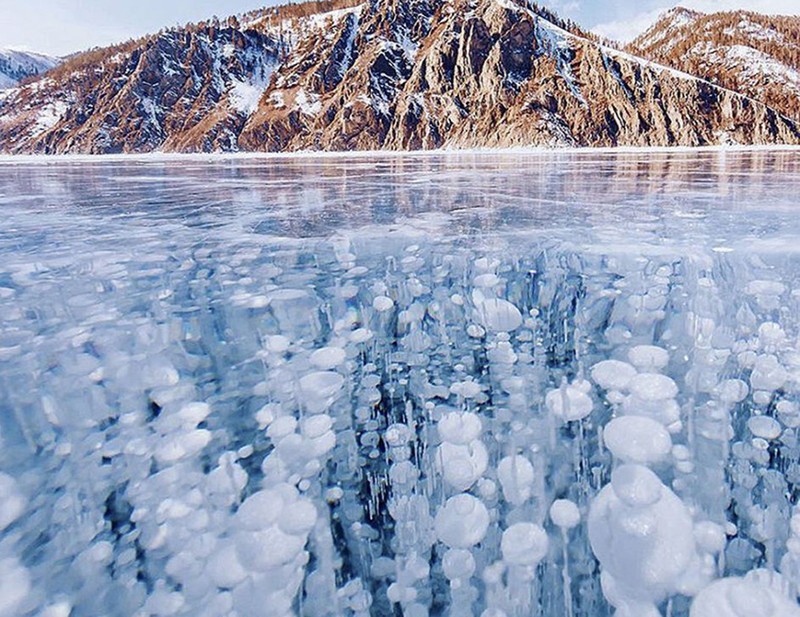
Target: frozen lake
point(468, 384)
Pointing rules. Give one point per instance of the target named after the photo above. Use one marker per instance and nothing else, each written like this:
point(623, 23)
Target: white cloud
point(65, 26)
point(566, 8)
point(625, 30)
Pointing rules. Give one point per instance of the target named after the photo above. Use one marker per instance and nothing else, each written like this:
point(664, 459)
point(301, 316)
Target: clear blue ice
point(558, 384)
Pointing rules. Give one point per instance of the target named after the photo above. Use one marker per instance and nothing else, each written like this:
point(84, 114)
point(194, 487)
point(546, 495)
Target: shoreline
point(387, 154)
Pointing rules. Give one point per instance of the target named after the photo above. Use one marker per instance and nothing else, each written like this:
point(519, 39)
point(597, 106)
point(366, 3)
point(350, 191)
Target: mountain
point(758, 55)
point(183, 89)
point(15, 66)
point(384, 74)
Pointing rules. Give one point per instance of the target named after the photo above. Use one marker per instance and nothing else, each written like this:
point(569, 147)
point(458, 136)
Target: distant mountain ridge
point(758, 55)
point(16, 66)
point(381, 74)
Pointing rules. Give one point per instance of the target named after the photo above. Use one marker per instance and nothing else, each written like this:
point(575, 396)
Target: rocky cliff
point(181, 89)
point(757, 55)
point(385, 74)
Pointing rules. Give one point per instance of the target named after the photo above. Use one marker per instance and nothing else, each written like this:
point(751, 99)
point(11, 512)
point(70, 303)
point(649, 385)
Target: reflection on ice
point(560, 384)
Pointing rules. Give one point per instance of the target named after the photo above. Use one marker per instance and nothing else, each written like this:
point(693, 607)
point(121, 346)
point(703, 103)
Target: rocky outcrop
point(385, 74)
point(495, 76)
point(181, 90)
point(757, 55)
point(341, 88)
point(506, 77)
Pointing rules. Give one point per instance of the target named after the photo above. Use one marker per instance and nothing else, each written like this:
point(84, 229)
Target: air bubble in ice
point(642, 534)
point(637, 439)
point(460, 428)
point(361, 335)
point(498, 315)
point(569, 403)
point(466, 389)
point(314, 427)
point(458, 563)
point(319, 389)
point(281, 427)
point(710, 537)
point(328, 358)
point(565, 514)
point(732, 391)
point(383, 304)
point(648, 358)
point(764, 427)
point(15, 584)
point(743, 597)
point(399, 435)
point(524, 544)
point(262, 509)
point(768, 374)
point(462, 466)
point(516, 476)
point(462, 521)
point(193, 414)
point(653, 387)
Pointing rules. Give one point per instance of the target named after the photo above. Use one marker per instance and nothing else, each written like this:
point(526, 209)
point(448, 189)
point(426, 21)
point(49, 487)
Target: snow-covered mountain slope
point(18, 65)
point(758, 55)
point(382, 74)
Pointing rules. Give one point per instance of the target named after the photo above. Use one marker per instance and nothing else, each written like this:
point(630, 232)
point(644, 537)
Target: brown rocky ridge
point(384, 74)
point(757, 55)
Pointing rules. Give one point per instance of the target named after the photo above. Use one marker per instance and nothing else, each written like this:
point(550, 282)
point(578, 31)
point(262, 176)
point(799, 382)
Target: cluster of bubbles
point(382, 425)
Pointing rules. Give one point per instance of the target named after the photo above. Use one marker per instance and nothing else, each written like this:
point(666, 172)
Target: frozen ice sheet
point(464, 384)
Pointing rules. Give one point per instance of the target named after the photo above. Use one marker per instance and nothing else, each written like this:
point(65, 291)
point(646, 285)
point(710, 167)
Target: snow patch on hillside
point(18, 65)
point(294, 29)
point(753, 30)
point(245, 94)
point(333, 17)
point(307, 103)
point(754, 65)
point(49, 116)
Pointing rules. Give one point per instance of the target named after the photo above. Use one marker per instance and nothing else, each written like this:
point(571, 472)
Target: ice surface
point(445, 385)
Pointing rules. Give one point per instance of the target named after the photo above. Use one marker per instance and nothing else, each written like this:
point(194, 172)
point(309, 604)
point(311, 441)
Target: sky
point(60, 27)
point(623, 20)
